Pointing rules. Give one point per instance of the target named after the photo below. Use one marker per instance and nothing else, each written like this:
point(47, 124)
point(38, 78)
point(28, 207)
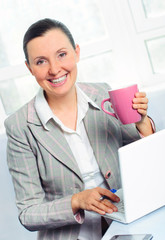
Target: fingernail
point(117, 199)
point(115, 209)
point(110, 211)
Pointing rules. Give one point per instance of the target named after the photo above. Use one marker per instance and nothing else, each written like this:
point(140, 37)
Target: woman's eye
point(61, 55)
point(39, 62)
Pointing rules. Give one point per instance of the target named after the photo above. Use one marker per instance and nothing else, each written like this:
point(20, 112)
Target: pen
point(105, 197)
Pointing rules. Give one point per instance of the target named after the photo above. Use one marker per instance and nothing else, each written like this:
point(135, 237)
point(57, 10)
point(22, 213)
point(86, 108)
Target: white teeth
point(58, 79)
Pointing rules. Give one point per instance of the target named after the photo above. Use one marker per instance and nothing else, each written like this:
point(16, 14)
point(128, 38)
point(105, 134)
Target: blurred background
point(121, 41)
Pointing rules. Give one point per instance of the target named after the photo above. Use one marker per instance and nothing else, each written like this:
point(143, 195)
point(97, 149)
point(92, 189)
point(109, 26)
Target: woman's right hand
point(90, 200)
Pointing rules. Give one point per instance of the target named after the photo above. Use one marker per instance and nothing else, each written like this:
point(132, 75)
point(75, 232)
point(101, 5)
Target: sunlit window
point(154, 8)
point(156, 51)
point(15, 92)
point(103, 63)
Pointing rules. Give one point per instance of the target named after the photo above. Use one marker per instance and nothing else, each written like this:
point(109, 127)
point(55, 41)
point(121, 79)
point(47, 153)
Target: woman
point(62, 149)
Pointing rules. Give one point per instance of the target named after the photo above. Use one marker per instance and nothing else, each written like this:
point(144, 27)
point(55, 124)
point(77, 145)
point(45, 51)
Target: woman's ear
point(77, 50)
point(27, 65)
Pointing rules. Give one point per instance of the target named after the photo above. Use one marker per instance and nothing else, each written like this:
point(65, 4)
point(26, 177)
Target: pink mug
point(121, 100)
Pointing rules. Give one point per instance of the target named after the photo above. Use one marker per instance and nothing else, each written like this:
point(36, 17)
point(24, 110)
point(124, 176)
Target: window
point(148, 14)
point(149, 19)
point(156, 52)
point(154, 8)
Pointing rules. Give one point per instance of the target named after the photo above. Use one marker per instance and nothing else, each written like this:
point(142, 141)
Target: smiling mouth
point(58, 80)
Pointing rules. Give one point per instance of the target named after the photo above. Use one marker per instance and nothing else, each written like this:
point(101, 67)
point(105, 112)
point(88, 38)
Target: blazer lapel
point(96, 123)
point(52, 140)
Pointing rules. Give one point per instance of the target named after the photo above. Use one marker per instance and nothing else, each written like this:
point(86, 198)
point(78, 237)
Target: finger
point(112, 197)
point(140, 100)
point(108, 198)
point(103, 206)
point(142, 112)
point(97, 207)
point(140, 94)
point(140, 106)
point(97, 210)
point(110, 205)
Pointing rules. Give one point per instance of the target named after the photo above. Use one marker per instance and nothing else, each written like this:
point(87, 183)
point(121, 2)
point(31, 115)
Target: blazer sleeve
point(35, 212)
point(129, 133)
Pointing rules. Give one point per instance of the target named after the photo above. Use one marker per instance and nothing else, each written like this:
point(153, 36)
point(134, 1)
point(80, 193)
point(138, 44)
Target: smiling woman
point(61, 145)
point(120, 43)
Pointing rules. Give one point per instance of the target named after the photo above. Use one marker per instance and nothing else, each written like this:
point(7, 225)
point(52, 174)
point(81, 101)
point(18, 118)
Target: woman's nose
point(54, 68)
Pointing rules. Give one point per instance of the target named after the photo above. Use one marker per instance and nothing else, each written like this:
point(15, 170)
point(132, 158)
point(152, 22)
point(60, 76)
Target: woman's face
point(53, 62)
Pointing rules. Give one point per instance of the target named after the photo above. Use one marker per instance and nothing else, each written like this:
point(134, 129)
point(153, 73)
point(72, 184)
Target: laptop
point(142, 169)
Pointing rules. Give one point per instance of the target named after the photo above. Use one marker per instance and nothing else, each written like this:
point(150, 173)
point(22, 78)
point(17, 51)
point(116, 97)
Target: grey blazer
point(44, 172)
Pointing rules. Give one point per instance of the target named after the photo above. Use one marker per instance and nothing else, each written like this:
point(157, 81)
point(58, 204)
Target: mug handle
point(102, 106)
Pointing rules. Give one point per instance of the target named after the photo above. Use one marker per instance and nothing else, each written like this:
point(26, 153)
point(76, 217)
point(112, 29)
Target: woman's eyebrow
point(61, 49)
point(39, 57)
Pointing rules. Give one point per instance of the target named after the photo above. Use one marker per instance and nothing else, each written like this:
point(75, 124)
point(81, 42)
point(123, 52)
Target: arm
point(38, 210)
point(140, 102)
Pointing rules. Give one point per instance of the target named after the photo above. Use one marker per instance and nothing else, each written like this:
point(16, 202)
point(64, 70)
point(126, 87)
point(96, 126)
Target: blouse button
point(108, 174)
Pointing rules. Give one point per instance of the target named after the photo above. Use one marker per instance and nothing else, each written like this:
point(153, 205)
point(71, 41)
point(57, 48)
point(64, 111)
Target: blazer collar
point(52, 140)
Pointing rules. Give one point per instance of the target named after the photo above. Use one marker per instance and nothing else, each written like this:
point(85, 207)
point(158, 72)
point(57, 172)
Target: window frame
point(142, 22)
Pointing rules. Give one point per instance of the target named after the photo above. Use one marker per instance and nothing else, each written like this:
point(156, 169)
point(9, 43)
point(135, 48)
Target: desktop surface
point(153, 223)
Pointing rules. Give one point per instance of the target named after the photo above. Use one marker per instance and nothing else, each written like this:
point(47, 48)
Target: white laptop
point(142, 169)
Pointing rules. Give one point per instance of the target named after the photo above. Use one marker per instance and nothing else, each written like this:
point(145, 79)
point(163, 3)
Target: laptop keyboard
point(120, 206)
point(120, 214)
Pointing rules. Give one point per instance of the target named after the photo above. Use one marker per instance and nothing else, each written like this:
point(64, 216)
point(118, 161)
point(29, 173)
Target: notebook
point(142, 169)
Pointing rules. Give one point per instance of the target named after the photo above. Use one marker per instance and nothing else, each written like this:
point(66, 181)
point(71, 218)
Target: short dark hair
point(42, 26)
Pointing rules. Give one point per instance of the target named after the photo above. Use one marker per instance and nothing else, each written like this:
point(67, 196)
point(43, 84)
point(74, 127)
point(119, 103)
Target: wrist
point(145, 126)
point(74, 203)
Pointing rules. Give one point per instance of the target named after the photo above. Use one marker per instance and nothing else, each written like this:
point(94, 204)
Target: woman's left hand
point(140, 103)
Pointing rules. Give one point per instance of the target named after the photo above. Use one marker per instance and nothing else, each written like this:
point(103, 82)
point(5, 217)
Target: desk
point(153, 223)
